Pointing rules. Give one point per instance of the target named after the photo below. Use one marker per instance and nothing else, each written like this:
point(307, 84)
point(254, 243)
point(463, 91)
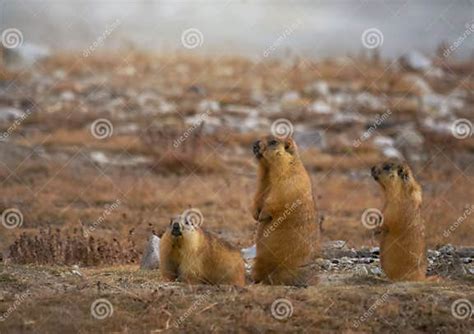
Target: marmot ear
point(290, 145)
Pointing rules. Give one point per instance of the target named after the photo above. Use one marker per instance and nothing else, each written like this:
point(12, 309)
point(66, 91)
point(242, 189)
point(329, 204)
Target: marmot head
point(396, 177)
point(181, 226)
point(273, 149)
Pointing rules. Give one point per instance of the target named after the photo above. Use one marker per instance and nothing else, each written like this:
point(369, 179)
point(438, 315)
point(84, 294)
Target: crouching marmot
point(192, 255)
point(287, 233)
point(402, 247)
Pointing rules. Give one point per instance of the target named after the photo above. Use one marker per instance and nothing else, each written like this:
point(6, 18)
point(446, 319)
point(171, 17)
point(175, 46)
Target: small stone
point(415, 61)
point(338, 244)
point(345, 260)
point(364, 252)
point(376, 271)
point(361, 271)
point(466, 252)
point(375, 250)
point(151, 256)
point(366, 260)
point(447, 249)
point(433, 253)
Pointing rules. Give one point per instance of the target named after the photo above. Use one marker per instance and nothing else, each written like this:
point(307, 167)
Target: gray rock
point(151, 255)
point(8, 114)
point(433, 253)
point(318, 88)
point(376, 271)
point(249, 253)
point(447, 249)
point(466, 252)
point(337, 244)
point(307, 138)
point(375, 250)
point(365, 260)
point(415, 61)
point(346, 261)
point(25, 55)
point(361, 271)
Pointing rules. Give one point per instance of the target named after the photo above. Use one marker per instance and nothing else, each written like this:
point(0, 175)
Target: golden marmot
point(192, 255)
point(287, 233)
point(402, 247)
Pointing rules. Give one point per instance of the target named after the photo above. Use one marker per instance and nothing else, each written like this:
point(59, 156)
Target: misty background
point(320, 28)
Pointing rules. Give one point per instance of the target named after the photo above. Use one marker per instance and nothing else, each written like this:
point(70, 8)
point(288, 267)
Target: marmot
point(192, 255)
point(287, 233)
point(402, 233)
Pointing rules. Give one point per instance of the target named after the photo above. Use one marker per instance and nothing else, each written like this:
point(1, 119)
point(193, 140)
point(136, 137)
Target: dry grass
point(47, 172)
point(76, 248)
point(141, 303)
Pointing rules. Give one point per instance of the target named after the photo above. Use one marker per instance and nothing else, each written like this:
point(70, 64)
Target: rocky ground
point(97, 153)
point(352, 296)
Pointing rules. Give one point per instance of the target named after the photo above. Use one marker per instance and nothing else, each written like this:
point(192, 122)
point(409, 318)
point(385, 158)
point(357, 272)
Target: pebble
point(376, 271)
point(361, 271)
point(375, 250)
point(447, 249)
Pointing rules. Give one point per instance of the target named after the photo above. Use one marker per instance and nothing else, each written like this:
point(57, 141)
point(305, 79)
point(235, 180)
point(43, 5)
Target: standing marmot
point(287, 233)
point(402, 247)
point(192, 255)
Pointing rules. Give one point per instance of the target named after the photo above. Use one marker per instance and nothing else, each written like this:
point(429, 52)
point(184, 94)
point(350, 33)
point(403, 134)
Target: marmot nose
point(175, 226)
point(175, 230)
point(256, 147)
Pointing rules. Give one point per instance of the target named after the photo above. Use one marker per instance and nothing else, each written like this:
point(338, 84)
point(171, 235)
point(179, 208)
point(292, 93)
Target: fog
point(321, 28)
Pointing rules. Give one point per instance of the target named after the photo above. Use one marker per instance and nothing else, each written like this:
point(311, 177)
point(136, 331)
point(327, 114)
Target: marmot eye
point(272, 142)
point(387, 167)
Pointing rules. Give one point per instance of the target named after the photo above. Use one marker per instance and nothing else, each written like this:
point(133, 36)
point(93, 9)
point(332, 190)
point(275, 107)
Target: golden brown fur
point(402, 247)
point(195, 256)
point(287, 233)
